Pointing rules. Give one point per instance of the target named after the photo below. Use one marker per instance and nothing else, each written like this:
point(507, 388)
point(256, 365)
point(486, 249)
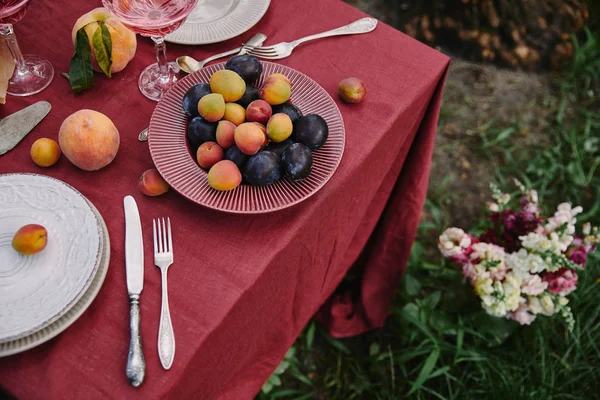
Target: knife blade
point(134, 266)
point(16, 126)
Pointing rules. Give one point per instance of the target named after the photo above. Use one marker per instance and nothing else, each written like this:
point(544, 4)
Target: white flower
point(483, 287)
point(532, 195)
point(587, 228)
point(524, 263)
point(488, 261)
point(499, 298)
point(493, 207)
point(453, 242)
point(563, 301)
point(541, 304)
point(564, 215)
point(504, 198)
point(538, 242)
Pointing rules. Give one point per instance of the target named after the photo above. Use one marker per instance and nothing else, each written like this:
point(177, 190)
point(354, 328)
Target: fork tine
point(165, 236)
point(154, 236)
point(169, 233)
point(260, 50)
point(159, 230)
point(249, 46)
point(266, 57)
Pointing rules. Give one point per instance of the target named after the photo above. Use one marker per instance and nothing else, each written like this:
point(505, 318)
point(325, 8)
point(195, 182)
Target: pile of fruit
point(240, 132)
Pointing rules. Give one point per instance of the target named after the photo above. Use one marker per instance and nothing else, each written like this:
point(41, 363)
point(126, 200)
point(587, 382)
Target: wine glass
point(32, 73)
point(155, 19)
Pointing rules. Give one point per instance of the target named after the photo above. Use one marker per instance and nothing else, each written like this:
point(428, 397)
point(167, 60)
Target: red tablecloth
point(242, 287)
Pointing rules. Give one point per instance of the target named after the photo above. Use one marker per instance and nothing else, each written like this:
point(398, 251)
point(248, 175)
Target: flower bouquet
point(524, 264)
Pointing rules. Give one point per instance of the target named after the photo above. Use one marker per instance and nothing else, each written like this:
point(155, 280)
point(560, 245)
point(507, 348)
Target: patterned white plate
point(52, 330)
point(215, 21)
point(36, 290)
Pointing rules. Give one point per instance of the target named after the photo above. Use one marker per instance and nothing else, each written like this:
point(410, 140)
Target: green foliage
point(438, 342)
point(81, 75)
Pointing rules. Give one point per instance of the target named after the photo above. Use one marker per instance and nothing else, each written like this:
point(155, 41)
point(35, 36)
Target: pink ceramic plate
point(169, 148)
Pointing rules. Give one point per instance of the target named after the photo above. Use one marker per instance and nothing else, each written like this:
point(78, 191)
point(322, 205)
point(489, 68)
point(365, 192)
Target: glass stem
point(161, 56)
point(7, 31)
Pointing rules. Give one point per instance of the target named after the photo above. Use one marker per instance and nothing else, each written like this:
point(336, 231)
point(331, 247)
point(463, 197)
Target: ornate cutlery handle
point(136, 365)
point(166, 337)
point(362, 25)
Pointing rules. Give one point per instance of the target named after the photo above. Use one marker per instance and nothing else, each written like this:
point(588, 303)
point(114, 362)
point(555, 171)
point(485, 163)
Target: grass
point(438, 343)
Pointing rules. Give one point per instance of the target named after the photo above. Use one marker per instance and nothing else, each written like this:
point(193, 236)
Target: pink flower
point(533, 285)
point(578, 255)
point(562, 282)
point(521, 314)
point(455, 244)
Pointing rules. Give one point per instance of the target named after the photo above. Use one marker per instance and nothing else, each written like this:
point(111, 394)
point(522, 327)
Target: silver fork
point(163, 258)
point(284, 49)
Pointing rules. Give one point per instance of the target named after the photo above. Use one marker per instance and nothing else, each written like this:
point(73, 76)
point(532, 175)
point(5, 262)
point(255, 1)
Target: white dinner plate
point(36, 290)
point(214, 21)
point(47, 333)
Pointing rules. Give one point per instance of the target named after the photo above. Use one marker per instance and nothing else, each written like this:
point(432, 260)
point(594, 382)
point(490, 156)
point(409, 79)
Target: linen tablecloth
point(242, 287)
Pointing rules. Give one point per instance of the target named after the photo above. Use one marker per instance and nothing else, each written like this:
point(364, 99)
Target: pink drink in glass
point(155, 19)
point(32, 73)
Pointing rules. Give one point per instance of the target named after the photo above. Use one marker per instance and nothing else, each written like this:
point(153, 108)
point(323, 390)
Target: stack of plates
point(43, 294)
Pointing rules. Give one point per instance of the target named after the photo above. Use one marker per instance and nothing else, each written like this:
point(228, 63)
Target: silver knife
point(16, 126)
point(134, 265)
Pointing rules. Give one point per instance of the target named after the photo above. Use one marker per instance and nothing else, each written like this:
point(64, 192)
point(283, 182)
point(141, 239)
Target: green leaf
point(336, 344)
point(103, 48)
point(412, 286)
point(284, 365)
point(432, 300)
point(81, 75)
point(310, 335)
point(425, 373)
point(267, 387)
point(374, 349)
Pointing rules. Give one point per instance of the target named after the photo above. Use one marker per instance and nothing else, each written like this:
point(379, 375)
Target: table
point(242, 287)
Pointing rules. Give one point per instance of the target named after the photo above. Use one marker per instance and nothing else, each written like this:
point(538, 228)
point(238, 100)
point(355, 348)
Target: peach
point(123, 39)
point(352, 90)
point(89, 139)
point(211, 107)
point(275, 91)
point(259, 111)
point(249, 138)
point(224, 175)
point(209, 154)
point(228, 84)
point(30, 239)
point(45, 152)
point(225, 130)
point(279, 127)
point(234, 113)
point(152, 183)
point(279, 76)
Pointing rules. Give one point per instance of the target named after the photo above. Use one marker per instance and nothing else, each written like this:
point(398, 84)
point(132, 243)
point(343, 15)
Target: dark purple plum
point(234, 154)
point(248, 67)
point(249, 96)
point(200, 131)
point(279, 148)
point(192, 97)
point(311, 130)
point(297, 161)
point(262, 169)
point(288, 108)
